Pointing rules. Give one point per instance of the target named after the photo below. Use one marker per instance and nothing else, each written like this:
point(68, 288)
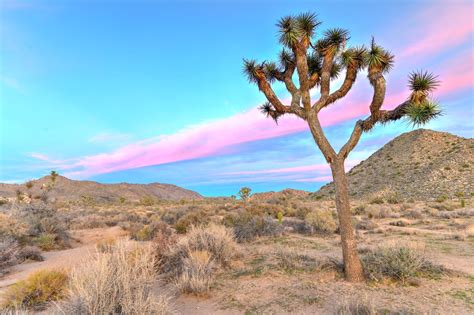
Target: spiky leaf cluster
point(268, 110)
point(422, 113)
point(251, 69)
point(354, 57)
point(379, 59)
point(286, 58)
point(294, 28)
point(271, 71)
point(422, 81)
point(333, 41)
point(314, 61)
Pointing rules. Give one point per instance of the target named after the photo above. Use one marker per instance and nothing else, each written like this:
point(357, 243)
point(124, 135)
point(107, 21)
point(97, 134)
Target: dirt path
point(84, 244)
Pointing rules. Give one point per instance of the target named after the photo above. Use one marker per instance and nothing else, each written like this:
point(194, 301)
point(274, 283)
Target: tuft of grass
point(398, 263)
point(321, 221)
point(37, 290)
point(119, 281)
point(197, 273)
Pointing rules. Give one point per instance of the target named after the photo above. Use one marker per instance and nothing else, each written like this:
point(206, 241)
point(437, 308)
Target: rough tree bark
point(352, 265)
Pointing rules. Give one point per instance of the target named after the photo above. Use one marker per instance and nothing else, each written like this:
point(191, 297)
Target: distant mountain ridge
point(68, 189)
point(422, 164)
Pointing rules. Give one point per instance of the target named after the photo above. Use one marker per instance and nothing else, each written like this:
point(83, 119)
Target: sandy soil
point(83, 243)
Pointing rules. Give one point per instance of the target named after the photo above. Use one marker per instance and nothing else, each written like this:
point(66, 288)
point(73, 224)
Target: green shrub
point(192, 218)
point(442, 198)
point(397, 263)
point(38, 289)
point(280, 217)
point(46, 241)
point(321, 221)
point(247, 227)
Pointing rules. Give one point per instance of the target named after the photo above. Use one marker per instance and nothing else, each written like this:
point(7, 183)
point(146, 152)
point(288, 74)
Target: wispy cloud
point(439, 28)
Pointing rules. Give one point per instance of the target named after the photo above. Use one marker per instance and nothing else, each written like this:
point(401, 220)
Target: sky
point(153, 91)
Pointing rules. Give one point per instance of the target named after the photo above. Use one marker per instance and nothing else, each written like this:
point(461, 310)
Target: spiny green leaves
point(422, 113)
point(379, 59)
point(251, 69)
point(333, 41)
point(271, 71)
point(268, 110)
point(423, 81)
point(286, 57)
point(314, 63)
point(293, 28)
point(306, 24)
point(335, 70)
point(336, 36)
point(355, 57)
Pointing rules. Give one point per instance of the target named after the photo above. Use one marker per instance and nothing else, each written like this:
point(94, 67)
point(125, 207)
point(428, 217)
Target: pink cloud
point(440, 28)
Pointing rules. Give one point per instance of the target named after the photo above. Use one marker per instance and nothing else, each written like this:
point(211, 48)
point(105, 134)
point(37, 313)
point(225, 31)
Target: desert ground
point(275, 253)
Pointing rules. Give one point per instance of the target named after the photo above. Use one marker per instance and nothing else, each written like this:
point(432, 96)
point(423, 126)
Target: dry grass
point(321, 221)
point(197, 273)
point(117, 281)
point(190, 262)
point(37, 290)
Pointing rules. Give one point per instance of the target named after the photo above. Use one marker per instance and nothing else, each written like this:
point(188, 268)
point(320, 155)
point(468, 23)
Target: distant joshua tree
point(316, 63)
point(53, 175)
point(244, 193)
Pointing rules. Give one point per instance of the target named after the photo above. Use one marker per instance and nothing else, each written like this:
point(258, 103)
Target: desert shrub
point(12, 227)
point(290, 260)
point(376, 201)
point(357, 307)
point(147, 201)
point(9, 251)
point(442, 198)
point(359, 210)
point(30, 253)
point(41, 220)
point(393, 198)
point(148, 232)
point(119, 281)
point(414, 214)
point(197, 273)
point(367, 225)
point(90, 221)
point(248, 227)
point(46, 241)
point(190, 262)
point(192, 218)
point(397, 263)
point(321, 221)
point(37, 290)
point(378, 212)
point(301, 212)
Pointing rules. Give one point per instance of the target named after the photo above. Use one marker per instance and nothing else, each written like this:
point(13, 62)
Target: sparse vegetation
point(37, 290)
point(398, 263)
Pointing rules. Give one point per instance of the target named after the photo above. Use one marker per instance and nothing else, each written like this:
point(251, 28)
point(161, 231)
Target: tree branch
point(320, 138)
point(326, 73)
point(384, 116)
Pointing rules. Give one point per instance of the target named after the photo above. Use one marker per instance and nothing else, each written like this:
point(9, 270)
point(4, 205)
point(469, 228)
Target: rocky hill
point(67, 189)
point(422, 164)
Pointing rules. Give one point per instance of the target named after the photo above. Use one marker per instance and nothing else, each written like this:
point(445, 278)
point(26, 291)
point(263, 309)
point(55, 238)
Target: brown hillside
point(67, 189)
point(422, 164)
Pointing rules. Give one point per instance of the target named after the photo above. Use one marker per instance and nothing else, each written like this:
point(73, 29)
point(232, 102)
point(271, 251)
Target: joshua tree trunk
point(352, 265)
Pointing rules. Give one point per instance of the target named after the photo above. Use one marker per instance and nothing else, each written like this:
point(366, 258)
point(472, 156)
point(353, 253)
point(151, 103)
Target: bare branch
point(320, 138)
point(326, 73)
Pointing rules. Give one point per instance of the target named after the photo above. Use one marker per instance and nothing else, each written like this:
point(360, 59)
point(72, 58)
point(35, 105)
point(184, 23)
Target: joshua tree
point(317, 63)
point(244, 193)
point(53, 175)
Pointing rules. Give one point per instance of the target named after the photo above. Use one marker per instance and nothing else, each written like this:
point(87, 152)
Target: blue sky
point(153, 91)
